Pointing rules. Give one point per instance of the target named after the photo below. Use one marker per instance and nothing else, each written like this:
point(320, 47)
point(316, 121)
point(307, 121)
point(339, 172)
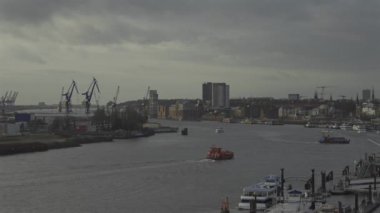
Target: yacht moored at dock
point(359, 128)
point(345, 126)
point(263, 193)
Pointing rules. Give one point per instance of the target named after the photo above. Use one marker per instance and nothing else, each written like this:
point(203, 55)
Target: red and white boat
point(217, 153)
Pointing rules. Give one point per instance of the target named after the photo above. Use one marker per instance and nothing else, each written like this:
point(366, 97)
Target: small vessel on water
point(184, 131)
point(327, 139)
point(334, 140)
point(219, 130)
point(246, 121)
point(217, 153)
point(359, 128)
point(310, 125)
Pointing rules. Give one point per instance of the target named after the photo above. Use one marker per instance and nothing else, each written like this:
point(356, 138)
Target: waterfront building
point(163, 112)
point(373, 95)
point(292, 112)
point(368, 109)
point(153, 103)
point(10, 129)
point(207, 93)
point(185, 110)
point(216, 95)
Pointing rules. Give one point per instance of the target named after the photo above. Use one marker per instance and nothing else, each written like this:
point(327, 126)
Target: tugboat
point(216, 153)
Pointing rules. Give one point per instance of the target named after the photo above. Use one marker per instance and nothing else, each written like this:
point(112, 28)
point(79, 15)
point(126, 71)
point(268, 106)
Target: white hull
point(247, 206)
point(290, 208)
point(219, 131)
point(359, 128)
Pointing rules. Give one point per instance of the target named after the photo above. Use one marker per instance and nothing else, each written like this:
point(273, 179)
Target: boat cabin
point(263, 194)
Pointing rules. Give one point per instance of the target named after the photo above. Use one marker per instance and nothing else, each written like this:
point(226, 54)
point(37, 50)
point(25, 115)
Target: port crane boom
point(69, 94)
point(323, 90)
point(90, 93)
point(61, 100)
point(115, 98)
point(145, 102)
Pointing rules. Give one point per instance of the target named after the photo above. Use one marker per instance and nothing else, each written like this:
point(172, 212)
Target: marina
point(171, 171)
point(362, 175)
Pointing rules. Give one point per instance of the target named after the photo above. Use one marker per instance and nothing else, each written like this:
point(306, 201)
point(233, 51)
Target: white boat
point(265, 194)
point(345, 126)
point(310, 125)
point(219, 130)
point(246, 121)
point(335, 126)
point(359, 128)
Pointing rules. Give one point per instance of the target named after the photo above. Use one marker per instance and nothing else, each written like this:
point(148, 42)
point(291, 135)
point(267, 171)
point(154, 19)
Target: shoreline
point(45, 142)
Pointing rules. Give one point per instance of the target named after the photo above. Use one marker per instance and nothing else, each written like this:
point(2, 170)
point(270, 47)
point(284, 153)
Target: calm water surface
point(168, 172)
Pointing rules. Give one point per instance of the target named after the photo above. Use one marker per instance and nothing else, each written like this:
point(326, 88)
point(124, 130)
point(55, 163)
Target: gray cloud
point(280, 38)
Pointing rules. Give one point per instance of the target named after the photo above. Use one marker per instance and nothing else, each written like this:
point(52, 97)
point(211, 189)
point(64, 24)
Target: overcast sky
point(260, 48)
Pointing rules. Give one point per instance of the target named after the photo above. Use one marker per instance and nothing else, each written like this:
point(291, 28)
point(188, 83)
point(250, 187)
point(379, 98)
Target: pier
point(314, 199)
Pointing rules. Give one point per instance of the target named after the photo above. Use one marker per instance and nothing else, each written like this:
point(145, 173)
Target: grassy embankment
point(33, 143)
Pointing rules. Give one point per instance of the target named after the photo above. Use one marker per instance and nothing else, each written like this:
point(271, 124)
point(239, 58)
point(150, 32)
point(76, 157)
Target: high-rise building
point(366, 95)
point(373, 95)
point(216, 95)
point(153, 104)
point(207, 92)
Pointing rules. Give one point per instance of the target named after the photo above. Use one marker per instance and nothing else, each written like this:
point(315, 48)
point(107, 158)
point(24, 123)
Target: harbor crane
point(323, 90)
point(147, 93)
point(9, 98)
point(145, 102)
point(114, 103)
point(12, 99)
point(69, 94)
point(60, 101)
point(3, 98)
point(90, 93)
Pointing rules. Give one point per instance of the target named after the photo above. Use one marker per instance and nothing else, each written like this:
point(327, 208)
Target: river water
point(168, 172)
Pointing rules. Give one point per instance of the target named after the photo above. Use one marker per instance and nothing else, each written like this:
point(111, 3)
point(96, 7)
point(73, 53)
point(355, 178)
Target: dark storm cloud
point(294, 35)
